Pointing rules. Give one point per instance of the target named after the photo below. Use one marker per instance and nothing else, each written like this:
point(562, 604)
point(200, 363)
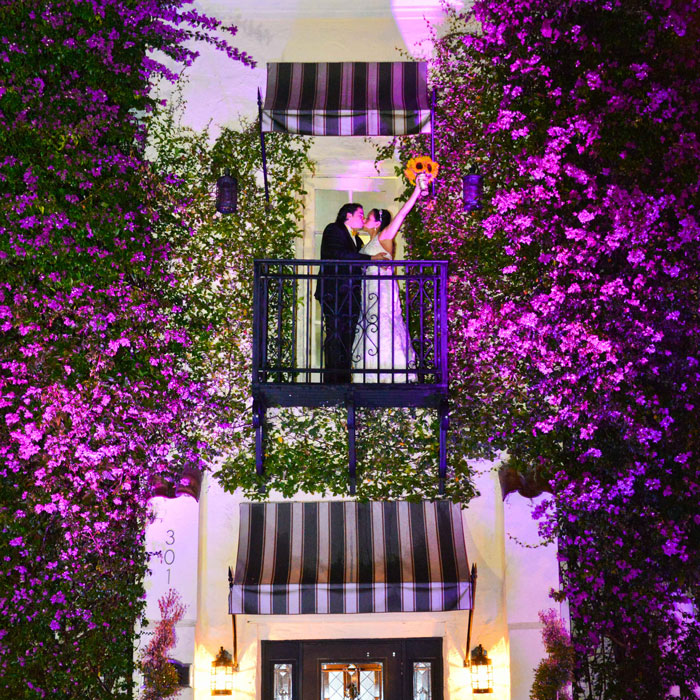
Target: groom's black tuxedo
point(338, 244)
point(339, 291)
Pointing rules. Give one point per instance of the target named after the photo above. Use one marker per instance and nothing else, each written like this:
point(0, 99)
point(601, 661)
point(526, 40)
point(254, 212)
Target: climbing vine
point(574, 341)
point(96, 398)
point(306, 450)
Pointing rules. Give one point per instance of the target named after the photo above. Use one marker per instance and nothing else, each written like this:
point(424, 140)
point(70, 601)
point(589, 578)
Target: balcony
point(391, 338)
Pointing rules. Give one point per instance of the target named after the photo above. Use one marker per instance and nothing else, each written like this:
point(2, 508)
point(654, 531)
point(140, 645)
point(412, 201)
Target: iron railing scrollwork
point(389, 318)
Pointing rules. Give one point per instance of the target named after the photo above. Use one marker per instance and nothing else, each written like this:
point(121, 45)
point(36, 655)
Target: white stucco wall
point(218, 92)
point(300, 30)
point(173, 539)
point(531, 571)
point(485, 547)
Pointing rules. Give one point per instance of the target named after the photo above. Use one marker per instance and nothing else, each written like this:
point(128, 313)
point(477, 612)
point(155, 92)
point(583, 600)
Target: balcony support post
point(433, 101)
point(352, 455)
point(444, 417)
point(259, 425)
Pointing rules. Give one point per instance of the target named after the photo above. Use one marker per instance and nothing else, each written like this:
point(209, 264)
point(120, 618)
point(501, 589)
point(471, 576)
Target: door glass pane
point(328, 202)
point(341, 681)
point(422, 680)
point(282, 684)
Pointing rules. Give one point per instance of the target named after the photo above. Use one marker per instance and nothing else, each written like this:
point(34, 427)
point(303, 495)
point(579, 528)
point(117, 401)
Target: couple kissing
point(363, 324)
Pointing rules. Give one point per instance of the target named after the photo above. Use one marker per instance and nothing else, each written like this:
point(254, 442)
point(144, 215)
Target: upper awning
point(347, 557)
point(347, 99)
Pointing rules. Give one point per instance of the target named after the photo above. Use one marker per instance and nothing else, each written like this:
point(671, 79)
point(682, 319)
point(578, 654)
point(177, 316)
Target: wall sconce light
point(227, 193)
point(472, 191)
point(481, 671)
point(222, 674)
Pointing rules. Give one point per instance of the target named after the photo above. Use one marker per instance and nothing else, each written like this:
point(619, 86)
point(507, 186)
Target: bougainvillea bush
point(574, 302)
point(95, 397)
point(554, 673)
point(160, 679)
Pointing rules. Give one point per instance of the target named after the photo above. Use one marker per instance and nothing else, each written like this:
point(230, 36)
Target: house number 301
point(169, 554)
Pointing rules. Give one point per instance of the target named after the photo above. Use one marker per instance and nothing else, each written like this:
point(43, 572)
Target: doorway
point(354, 669)
point(325, 198)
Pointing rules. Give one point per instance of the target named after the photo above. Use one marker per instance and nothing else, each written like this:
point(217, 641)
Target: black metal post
point(235, 643)
point(259, 322)
point(433, 102)
point(471, 615)
point(259, 425)
point(444, 416)
point(442, 339)
point(352, 455)
point(262, 146)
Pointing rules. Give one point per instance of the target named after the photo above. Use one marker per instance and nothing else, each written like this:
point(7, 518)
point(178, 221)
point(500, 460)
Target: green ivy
point(306, 449)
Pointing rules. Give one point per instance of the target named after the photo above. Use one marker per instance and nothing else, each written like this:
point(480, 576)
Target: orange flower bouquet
point(423, 165)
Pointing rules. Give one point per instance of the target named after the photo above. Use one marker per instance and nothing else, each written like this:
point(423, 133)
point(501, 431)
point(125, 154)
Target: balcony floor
point(368, 395)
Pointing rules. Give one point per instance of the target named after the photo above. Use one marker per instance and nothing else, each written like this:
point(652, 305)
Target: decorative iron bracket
point(233, 626)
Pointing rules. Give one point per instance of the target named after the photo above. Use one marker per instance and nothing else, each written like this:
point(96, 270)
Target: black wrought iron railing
point(341, 322)
point(338, 332)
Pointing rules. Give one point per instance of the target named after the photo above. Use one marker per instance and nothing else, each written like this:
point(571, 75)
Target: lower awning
point(347, 557)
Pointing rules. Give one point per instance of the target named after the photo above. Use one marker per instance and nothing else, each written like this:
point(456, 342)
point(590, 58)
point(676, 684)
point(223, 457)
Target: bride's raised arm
point(393, 228)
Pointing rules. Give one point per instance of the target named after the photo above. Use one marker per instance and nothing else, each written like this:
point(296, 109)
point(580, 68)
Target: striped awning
point(347, 99)
point(347, 557)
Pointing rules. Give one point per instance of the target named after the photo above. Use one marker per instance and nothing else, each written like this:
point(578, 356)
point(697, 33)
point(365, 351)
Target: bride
point(382, 341)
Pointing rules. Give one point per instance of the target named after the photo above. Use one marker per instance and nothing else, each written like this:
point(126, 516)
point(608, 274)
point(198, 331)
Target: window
point(282, 682)
point(355, 681)
point(422, 681)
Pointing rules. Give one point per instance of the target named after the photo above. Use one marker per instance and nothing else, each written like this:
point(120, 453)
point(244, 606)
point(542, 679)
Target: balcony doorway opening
point(327, 199)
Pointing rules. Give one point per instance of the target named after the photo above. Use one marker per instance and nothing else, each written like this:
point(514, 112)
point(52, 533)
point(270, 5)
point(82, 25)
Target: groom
point(339, 290)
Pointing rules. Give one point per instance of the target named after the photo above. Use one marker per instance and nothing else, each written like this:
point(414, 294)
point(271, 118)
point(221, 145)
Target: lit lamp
point(226, 193)
point(472, 191)
point(222, 674)
point(481, 671)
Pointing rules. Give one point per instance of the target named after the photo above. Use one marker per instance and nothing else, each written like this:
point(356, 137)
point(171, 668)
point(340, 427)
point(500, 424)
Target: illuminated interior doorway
point(325, 198)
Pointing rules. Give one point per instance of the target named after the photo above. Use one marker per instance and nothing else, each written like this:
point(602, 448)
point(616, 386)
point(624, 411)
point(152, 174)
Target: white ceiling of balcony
point(324, 8)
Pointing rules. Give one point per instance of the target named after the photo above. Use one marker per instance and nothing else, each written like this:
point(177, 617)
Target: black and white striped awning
point(347, 557)
point(347, 99)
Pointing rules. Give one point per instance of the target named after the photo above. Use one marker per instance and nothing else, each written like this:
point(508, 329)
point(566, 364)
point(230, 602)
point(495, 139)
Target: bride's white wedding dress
point(381, 338)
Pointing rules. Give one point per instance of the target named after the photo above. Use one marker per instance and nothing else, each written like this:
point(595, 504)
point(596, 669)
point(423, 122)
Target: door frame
point(398, 654)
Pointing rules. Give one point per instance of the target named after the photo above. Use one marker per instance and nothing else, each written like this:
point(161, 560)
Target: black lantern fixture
point(226, 193)
point(222, 674)
point(473, 190)
point(481, 671)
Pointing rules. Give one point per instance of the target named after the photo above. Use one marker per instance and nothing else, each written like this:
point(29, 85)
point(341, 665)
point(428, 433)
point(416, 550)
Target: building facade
point(327, 652)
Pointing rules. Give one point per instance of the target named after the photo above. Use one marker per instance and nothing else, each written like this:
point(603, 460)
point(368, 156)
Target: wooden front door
point(354, 669)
